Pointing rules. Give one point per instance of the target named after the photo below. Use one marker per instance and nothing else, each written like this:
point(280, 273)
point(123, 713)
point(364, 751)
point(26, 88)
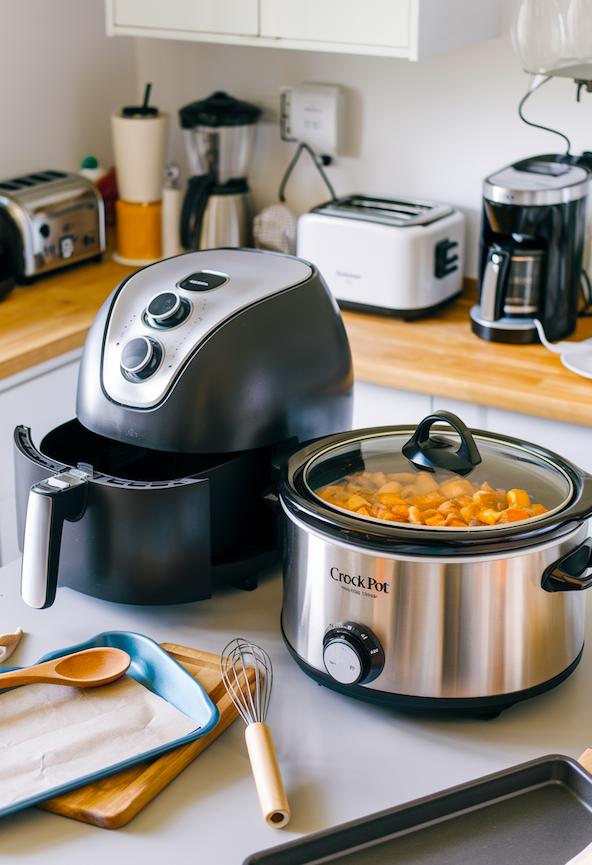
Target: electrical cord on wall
point(586, 288)
point(538, 125)
point(317, 161)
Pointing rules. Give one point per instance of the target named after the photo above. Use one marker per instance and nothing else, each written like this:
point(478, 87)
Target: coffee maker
point(217, 210)
point(531, 247)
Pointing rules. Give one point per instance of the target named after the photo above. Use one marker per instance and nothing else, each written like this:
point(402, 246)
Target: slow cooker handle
point(58, 498)
point(429, 454)
point(572, 572)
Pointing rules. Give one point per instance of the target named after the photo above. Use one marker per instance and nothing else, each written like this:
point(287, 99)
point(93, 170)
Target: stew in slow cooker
point(419, 499)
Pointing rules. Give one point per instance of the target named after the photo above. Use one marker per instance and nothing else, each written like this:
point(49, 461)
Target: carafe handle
point(491, 297)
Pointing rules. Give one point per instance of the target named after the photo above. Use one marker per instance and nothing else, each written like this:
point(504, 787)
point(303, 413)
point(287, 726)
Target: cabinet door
point(377, 405)
point(373, 22)
point(568, 440)
point(238, 17)
point(41, 398)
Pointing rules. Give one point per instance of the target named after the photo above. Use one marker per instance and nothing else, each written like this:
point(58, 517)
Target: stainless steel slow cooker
point(465, 602)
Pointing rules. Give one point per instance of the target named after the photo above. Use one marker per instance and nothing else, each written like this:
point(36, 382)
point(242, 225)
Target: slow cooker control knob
point(140, 358)
point(352, 654)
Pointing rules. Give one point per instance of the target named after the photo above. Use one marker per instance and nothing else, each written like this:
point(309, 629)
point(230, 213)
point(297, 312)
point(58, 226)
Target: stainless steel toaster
point(48, 220)
point(395, 257)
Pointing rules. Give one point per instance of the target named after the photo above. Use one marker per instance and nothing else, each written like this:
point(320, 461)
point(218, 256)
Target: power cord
point(538, 125)
point(318, 161)
point(586, 288)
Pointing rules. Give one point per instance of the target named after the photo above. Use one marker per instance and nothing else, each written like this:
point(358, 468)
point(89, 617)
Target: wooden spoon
point(86, 669)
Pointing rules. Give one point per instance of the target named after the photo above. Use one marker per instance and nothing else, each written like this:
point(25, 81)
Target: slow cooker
point(436, 568)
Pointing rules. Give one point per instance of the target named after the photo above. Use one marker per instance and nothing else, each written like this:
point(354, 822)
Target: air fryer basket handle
point(61, 497)
point(572, 572)
point(428, 454)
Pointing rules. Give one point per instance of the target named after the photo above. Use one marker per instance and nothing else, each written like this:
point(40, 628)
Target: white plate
point(581, 364)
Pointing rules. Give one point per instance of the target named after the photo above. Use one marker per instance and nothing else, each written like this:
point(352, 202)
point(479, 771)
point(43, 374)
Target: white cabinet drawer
point(198, 16)
point(345, 21)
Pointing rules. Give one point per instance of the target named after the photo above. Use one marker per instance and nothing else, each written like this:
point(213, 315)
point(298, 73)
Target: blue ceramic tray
point(152, 667)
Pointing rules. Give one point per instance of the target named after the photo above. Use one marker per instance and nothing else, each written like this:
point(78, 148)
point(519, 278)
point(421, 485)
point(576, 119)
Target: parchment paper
point(53, 734)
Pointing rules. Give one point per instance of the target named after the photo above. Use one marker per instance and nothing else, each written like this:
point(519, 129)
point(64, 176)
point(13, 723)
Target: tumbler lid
point(219, 109)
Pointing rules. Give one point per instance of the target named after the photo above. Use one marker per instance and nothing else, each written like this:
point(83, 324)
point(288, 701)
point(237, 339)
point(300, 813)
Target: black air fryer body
point(194, 372)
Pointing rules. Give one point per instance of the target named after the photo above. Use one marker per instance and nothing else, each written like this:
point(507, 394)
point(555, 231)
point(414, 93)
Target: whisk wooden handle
point(266, 772)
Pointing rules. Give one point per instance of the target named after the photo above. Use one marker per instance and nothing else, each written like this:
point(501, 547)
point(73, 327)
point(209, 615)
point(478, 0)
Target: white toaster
point(402, 258)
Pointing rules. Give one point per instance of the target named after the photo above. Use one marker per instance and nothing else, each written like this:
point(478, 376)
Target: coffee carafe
point(531, 248)
point(217, 210)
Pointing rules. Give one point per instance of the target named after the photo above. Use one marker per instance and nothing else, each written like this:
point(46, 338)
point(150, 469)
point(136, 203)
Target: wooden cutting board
point(113, 801)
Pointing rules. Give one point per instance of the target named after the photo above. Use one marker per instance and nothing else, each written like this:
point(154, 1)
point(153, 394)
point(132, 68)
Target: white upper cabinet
point(411, 29)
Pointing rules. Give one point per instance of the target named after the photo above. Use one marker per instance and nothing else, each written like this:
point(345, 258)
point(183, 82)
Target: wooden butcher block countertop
point(51, 316)
point(441, 356)
point(438, 355)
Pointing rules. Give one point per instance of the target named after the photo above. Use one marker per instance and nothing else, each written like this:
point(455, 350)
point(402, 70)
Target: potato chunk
point(518, 499)
point(389, 500)
point(454, 489)
point(355, 502)
point(495, 499)
point(390, 487)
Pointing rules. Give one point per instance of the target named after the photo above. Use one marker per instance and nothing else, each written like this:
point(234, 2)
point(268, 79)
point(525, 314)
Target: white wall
point(432, 129)
point(61, 76)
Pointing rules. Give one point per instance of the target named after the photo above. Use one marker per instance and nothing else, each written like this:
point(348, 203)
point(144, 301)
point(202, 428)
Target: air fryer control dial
point(167, 309)
point(140, 358)
point(352, 654)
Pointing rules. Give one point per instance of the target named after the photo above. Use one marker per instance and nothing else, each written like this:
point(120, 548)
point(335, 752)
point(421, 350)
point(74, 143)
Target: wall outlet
point(312, 113)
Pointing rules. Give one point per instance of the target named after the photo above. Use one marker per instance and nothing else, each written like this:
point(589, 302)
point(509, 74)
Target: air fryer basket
point(159, 527)
point(238, 514)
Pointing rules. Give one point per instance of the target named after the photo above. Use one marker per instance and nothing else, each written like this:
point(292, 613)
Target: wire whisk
point(248, 677)
point(238, 657)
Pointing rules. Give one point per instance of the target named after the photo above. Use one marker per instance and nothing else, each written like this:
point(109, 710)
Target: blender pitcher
point(217, 211)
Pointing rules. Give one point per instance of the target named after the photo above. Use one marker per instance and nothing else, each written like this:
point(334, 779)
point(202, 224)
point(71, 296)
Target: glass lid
point(444, 478)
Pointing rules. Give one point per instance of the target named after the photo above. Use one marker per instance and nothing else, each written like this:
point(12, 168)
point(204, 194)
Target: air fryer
point(196, 370)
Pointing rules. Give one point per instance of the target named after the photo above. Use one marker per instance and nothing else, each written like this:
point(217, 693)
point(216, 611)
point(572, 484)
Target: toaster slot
point(397, 212)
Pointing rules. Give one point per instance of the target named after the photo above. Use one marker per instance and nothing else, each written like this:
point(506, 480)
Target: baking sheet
point(153, 668)
point(538, 813)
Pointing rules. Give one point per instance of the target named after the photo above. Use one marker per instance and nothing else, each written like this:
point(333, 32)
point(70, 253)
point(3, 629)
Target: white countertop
point(340, 758)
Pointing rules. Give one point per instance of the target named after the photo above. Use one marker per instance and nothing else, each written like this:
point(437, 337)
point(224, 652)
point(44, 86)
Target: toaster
point(48, 220)
point(398, 257)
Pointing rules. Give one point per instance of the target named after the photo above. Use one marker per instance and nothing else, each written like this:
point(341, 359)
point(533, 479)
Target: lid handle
point(429, 453)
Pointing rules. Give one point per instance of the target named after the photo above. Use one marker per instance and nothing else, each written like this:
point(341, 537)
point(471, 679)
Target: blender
point(217, 209)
